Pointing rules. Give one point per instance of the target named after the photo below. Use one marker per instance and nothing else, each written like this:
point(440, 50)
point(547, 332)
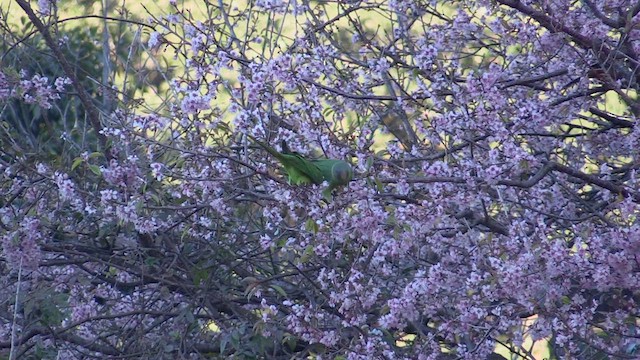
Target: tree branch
point(92, 111)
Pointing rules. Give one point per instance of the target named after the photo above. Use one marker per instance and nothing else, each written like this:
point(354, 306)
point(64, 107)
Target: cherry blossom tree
point(494, 205)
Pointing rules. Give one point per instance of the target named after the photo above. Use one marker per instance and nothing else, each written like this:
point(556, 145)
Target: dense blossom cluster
point(495, 202)
point(34, 90)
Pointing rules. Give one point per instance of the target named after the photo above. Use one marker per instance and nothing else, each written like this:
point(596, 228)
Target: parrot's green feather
point(299, 170)
point(335, 172)
point(304, 172)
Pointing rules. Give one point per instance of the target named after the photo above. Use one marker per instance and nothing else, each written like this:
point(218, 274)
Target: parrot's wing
point(300, 170)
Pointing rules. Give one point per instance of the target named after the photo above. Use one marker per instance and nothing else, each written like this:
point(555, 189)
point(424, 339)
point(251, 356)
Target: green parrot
point(302, 171)
point(335, 172)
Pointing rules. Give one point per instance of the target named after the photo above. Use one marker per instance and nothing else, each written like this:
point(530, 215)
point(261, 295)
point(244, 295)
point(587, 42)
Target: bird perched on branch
point(302, 171)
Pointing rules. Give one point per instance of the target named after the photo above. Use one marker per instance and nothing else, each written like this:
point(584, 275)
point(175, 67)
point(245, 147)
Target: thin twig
point(15, 313)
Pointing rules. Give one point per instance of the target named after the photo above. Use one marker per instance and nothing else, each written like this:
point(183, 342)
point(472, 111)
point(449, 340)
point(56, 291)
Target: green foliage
point(39, 130)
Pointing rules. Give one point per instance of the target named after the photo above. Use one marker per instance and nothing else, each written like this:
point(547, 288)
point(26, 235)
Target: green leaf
point(95, 169)
point(235, 339)
point(150, 261)
point(379, 185)
point(200, 276)
point(291, 341)
point(223, 345)
point(279, 290)
point(369, 163)
point(51, 314)
point(306, 255)
point(311, 226)
point(189, 317)
point(76, 162)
